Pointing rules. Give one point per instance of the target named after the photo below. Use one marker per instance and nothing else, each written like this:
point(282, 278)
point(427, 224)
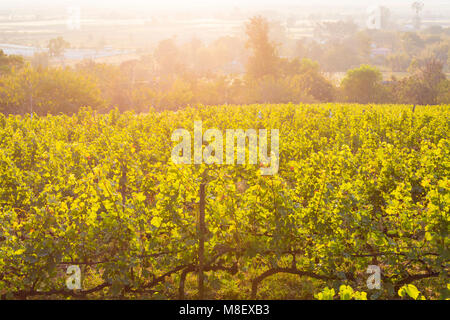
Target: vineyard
point(357, 185)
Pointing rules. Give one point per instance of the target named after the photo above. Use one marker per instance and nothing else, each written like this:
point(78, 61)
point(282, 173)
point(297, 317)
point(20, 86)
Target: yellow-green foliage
point(47, 91)
point(357, 185)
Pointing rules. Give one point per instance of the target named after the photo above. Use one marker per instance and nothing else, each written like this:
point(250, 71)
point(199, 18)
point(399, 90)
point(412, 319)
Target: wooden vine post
point(201, 241)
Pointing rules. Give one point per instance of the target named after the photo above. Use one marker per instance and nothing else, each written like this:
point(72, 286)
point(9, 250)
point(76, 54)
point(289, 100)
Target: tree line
point(163, 82)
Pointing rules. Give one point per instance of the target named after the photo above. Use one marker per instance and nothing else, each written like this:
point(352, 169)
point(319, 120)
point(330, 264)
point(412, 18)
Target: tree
point(448, 59)
point(423, 85)
point(48, 91)
point(363, 42)
point(229, 52)
point(306, 79)
point(301, 50)
point(268, 89)
point(363, 85)
point(179, 95)
point(264, 60)
point(57, 46)
point(439, 51)
point(40, 60)
point(168, 57)
point(339, 57)
point(412, 43)
point(398, 62)
point(428, 71)
point(8, 62)
point(443, 96)
point(113, 83)
point(144, 98)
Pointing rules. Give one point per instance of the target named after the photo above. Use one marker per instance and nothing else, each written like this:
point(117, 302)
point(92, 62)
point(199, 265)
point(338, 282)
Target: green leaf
point(409, 290)
point(156, 221)
point(19, 252)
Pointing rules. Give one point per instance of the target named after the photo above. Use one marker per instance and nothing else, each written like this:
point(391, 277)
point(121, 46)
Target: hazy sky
point(213, 3)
